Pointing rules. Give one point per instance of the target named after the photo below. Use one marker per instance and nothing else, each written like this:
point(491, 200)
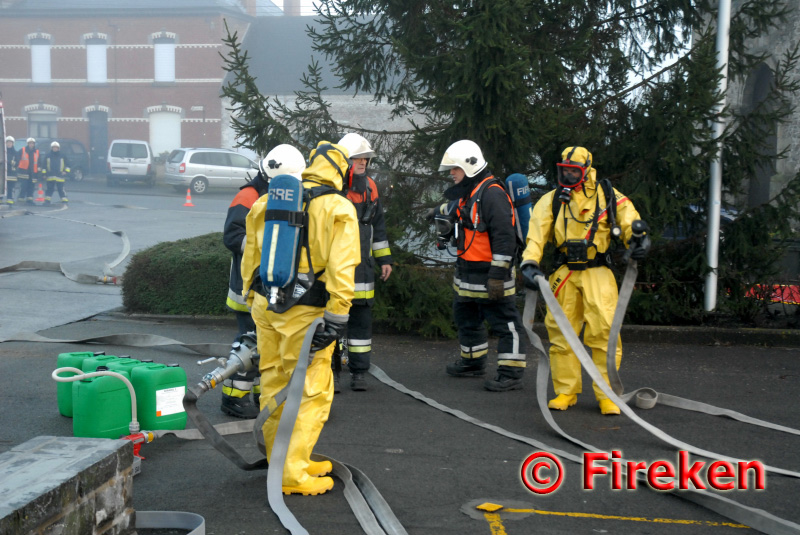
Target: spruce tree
point(635, 82)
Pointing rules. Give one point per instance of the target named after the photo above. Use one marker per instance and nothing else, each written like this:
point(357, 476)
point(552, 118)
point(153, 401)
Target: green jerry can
point(90, 364)
point(159, 396)
point(64, 390)
point(101, 407)
point(123, 364)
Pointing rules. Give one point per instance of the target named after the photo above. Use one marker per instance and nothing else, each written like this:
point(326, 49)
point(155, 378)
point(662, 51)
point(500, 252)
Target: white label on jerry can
point(170, 400)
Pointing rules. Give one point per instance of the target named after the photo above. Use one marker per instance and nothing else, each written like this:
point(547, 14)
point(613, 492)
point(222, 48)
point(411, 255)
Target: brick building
point(97, 70)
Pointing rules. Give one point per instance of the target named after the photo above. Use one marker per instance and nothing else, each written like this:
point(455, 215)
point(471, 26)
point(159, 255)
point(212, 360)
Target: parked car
point(201, 168)
point(130, 160)
point(73, 150)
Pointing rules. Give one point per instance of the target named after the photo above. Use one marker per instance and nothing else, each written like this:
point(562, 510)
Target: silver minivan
point(130, 160)
point(198, 169)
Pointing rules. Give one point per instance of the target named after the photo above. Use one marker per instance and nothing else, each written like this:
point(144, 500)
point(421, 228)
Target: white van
point(130, 160)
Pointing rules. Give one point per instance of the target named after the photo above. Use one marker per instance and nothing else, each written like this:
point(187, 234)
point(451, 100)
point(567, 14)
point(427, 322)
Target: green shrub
point(182, 277)
point(416, 299)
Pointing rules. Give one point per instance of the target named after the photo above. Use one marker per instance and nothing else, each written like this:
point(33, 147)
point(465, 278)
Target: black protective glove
point(496, 289)
point(639, 245)
point(639, 248)
point(430, 214)
point(529, 274)
point(326, 334)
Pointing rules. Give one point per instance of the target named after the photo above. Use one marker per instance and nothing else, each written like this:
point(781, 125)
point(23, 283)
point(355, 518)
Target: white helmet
point(10, 138)
point(31, 140)
point(357, 146)
point(55, 144)
point(465, 154)
point(283, 160)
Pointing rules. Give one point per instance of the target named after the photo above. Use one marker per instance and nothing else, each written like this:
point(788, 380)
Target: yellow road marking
point(495, 523)
point(628, 518)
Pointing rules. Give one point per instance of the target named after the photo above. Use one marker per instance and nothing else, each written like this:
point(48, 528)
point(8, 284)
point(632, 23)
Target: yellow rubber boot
point(608, 407)
point(319, 468)
point(562, 402)
point(314, 486)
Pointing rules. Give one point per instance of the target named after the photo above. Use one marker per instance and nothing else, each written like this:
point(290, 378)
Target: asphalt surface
point(430, 467)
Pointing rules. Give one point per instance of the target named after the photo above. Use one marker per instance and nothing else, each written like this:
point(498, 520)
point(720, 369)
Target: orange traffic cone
point(39, 195)
point(188, 198)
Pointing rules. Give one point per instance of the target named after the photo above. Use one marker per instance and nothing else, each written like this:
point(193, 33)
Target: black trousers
point(359, 338)
point(52, 185)
point(505, 322)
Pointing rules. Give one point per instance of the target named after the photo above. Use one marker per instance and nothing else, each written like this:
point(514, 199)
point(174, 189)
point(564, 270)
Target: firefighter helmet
point(465, 154)
point(357, 146)
point(283, 160)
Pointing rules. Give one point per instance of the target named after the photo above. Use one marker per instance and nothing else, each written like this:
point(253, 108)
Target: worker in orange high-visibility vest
point(27, 170)
point(484, 281)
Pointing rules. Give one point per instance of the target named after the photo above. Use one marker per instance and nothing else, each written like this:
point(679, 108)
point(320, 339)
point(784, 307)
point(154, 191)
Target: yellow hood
point(327, 164)
point(581, 156)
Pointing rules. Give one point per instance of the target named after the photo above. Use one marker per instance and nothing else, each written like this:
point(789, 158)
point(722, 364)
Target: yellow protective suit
point(588, 297)
point(334, 243)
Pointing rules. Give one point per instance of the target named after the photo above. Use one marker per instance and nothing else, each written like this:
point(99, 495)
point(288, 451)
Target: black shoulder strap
point(556, 203)
point(611, 201)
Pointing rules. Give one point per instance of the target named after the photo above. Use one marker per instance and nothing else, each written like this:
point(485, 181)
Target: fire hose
point(644, 398)
point(371, 510)
point(107, 277)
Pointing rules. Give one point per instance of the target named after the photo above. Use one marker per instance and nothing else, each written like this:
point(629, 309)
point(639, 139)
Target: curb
point(647, 334)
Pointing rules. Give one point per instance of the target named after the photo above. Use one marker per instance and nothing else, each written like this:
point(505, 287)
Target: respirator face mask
point(571, 175)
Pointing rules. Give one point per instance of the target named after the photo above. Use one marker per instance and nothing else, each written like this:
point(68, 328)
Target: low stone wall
point(67, 486)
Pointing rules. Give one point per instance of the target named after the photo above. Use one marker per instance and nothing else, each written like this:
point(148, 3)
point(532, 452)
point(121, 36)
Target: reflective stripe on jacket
point(486, 249)
point(54, 165)
point(374, 242)
point(233, 236)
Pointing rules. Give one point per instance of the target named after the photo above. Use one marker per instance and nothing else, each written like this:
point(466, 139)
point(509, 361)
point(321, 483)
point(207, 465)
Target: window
point(129, 150)
point(219, 159)
point(238, 160)
point(40, 57)
point(199, 158)
point(96, 64)
point(42, 125)
point(164, 56)
point(176, 156)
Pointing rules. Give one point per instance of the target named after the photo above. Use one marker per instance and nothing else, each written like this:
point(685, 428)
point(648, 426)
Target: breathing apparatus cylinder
point(283, 225)
point(520, 193)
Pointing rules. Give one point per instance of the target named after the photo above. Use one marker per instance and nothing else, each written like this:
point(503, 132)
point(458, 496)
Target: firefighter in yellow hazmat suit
point(582, 281)
point(334, 243)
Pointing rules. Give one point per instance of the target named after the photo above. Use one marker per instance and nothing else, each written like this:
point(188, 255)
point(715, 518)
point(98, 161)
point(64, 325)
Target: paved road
point(79, 237)
point(429, 466)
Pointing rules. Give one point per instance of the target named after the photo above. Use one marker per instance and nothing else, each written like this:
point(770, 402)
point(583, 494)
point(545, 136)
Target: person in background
point(363, 192)
point(12, 157)
point(27, 170)
point(55, 168)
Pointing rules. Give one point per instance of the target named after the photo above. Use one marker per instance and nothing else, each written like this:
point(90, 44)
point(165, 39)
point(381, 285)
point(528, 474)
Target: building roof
point(118, 7)
point(280, 51)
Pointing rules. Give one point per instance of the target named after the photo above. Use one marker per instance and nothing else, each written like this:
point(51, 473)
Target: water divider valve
point(242, 358)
